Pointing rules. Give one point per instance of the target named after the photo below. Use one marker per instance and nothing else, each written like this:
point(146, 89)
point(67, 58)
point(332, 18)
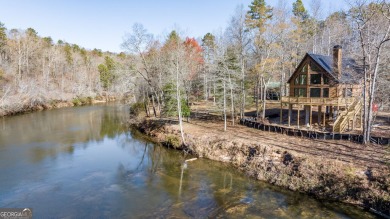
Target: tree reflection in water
point(82, 162)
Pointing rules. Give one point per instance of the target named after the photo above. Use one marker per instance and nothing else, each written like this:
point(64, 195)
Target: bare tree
point(372, 23)
point(240, 38)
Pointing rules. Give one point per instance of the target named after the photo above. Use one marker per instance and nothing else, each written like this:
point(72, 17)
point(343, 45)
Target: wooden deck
point(317, 101)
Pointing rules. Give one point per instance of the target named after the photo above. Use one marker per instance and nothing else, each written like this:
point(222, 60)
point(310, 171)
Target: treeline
point(36, 71)
point(234, 68)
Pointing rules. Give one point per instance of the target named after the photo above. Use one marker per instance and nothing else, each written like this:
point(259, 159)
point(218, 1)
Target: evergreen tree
point(208, 40)
point(31, 32)
point(68, 53)
point(48, 41)
point(170, 102)
point(3, 36)
point(258, 14)
point(106, 71)
point(300, 11)
point(173, 38)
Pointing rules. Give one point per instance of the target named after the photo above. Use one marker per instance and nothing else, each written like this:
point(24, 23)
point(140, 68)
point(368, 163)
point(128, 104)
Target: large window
point(300, 92)
point(301, 79)
point(325, 92)
point(315, 79)
point(314, 67)
point(304, 69)
point(315, 92)
point(326, 80)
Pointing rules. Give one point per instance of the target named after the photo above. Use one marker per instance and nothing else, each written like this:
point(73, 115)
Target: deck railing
point(318, 100)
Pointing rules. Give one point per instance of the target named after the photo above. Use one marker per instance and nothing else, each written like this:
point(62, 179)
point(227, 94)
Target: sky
point(103, 24)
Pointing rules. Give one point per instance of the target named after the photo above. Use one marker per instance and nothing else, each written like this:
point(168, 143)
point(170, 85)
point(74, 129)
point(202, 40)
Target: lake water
point(82, 162)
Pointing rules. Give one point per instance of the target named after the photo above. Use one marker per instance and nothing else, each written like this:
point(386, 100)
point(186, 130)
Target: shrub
point(173, 141)
point(76, 102)
point(136, 108)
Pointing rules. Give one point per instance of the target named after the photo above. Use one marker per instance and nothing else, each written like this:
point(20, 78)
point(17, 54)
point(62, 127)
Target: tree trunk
point(224, 105)
point(154, 107)
point(179, 101)
point(145, 104)
point(257, 88)
point(205, 85)
point(214, 91)
point(264, 98)
point(243, 89)
point(231, 99)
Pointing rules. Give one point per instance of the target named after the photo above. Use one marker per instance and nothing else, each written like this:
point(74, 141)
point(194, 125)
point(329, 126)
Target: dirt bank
point(340, 171)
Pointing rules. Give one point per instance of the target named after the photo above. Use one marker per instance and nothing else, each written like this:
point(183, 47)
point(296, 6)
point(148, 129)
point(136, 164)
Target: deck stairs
point(347, 115)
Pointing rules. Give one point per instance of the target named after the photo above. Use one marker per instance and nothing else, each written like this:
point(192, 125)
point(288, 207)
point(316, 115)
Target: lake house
point(330, 84)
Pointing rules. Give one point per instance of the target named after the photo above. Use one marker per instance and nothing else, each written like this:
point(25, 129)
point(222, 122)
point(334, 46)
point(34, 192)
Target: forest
point(233, 68)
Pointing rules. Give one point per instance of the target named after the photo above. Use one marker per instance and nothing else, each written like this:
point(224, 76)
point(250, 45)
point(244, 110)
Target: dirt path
point(361, 155)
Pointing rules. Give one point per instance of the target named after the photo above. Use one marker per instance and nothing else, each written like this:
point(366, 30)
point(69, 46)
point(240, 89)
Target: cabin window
point(325, 92)
point(300, 92)
point(300, 79)
point(314, 67)
point(315, 79)
point(348, 92)
point(326, 80)
point(304, 69)
point(315, 92)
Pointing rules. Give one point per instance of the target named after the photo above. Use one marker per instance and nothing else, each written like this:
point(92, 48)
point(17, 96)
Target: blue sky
point(102, 24)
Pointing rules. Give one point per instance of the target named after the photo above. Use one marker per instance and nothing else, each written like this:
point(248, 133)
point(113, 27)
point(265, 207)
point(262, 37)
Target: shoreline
point(320, 177)
point(56, 104)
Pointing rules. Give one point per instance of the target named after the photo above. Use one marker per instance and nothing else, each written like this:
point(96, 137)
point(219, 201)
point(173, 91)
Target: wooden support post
point(331, 113)
point(307, 119)
point(319, 115)
point(281, 112)
point(324, 118)
point(289, 113)
point(298, 112)
point(311, 115)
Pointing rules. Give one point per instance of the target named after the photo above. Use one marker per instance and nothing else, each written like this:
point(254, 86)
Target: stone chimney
point(337, 56)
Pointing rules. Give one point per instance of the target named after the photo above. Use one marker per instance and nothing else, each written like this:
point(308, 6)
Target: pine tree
point(3, 36)
point(3, 42)
point(258, 14)
point(299, 10)
point(106, 71)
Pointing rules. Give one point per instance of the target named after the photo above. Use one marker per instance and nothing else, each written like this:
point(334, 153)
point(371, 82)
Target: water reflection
point(82, 163)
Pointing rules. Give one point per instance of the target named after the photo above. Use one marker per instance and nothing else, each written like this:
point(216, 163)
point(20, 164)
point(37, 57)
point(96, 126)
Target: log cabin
point(333, 85)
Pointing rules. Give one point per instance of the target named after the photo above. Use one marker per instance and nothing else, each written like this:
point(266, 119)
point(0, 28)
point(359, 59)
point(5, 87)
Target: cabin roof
point(351, 72)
